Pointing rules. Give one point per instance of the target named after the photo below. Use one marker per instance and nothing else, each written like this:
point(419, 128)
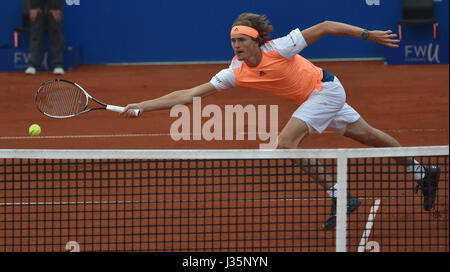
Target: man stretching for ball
point(275, 67)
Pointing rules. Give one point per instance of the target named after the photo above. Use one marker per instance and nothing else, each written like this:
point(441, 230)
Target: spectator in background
point(46, 14)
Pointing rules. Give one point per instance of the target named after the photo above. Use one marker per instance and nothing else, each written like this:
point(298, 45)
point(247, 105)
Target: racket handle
point(119, 109)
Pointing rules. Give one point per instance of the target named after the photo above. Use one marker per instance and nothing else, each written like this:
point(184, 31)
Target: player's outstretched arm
point(316, 32)
point(170, 100)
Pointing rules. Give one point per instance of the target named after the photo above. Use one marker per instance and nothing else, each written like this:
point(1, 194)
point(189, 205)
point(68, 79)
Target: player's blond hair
point(258, 22)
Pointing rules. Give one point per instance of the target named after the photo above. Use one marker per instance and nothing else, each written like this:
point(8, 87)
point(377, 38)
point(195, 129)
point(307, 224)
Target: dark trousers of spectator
point(45, 20)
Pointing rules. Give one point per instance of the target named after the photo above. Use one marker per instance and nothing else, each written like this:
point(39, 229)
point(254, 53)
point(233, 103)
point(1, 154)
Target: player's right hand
point(130, 111)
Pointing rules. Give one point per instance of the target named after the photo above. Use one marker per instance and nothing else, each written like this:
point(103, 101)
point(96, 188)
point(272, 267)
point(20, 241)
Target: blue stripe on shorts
point(327, 76)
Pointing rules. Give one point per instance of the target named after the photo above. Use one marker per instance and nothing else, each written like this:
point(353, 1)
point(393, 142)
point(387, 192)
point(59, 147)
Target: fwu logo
point(425, 53)
point(22, 59)
point(73, 2)
point(418, 52)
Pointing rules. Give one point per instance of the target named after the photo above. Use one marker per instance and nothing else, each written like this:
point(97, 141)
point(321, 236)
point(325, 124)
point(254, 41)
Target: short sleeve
point(224, 79)
point(291, 44)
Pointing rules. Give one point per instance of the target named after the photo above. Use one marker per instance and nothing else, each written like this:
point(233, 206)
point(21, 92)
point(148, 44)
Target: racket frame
point(85, 109)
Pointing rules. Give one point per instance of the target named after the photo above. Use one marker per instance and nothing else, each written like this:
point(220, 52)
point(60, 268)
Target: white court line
point(369, 225)
point(149, 201)
point(51, 203)
point(83, 136)
point(168, 134)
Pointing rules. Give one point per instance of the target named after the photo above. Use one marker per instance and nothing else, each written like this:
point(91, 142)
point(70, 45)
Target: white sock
point(332, 192)
point(417, 170)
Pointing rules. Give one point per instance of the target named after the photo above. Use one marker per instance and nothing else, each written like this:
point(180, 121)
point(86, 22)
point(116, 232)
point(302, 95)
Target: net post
point(341, 206)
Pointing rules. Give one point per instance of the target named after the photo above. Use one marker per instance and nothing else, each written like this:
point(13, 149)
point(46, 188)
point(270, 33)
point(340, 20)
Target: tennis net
point(218, 200)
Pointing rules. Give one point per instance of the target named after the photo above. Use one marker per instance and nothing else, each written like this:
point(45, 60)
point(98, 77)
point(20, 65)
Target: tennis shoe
point(352, 204)
point(429, 185)
point(30, 71)
point(58, 71)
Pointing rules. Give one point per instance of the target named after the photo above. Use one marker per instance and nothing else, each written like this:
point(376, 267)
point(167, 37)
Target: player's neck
point(254, 60)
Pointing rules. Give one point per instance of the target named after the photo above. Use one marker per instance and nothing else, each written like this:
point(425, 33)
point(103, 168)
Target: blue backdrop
point(116, 31)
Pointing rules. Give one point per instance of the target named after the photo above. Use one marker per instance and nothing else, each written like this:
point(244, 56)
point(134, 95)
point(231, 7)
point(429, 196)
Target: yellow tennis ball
point(34, 130)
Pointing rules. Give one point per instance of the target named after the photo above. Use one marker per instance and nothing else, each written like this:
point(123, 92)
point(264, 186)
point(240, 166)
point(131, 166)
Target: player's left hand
point(386, 38)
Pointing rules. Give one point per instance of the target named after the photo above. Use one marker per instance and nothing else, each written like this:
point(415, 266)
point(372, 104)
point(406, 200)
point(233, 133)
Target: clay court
point(408, 102)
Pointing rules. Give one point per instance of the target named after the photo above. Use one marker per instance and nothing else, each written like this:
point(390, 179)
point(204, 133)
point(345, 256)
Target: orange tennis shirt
point(282, 71)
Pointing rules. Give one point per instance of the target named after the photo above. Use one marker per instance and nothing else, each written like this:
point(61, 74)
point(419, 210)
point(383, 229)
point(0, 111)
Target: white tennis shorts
point(327, 109)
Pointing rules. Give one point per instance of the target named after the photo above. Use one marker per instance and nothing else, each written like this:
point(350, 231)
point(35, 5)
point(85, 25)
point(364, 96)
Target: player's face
point(244, 46)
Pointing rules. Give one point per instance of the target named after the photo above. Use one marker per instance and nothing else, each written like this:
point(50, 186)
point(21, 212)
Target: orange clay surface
point(408, 102)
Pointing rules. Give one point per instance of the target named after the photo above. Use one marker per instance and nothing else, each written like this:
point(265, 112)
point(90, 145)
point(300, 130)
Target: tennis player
point(276, 68)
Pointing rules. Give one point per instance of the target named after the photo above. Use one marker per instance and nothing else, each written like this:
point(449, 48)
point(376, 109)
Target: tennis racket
point(60, 98)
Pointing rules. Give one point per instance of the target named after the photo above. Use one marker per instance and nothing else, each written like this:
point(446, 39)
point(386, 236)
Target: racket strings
point(59, 98)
